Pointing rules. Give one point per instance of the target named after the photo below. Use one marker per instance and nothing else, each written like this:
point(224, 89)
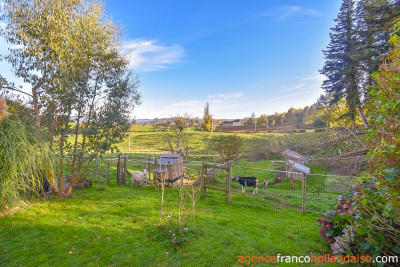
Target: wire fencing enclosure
point(311, 192)
point(314, 192)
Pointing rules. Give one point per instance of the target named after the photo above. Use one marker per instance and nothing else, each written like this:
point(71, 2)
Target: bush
point(228, 147)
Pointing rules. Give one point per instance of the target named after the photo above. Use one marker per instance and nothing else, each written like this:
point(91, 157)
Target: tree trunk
point(362, 115)
point(35, 104)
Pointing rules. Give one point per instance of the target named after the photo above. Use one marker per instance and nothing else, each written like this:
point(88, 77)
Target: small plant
point(174, 226)
point(102, 175)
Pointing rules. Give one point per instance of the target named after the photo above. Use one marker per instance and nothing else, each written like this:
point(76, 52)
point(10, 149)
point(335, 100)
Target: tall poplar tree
point(341, 66)
point(207, 119)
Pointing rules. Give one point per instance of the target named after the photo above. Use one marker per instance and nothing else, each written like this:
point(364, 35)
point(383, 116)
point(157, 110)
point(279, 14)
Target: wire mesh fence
point(320, 192)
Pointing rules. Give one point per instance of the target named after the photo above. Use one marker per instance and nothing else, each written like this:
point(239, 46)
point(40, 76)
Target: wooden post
point(291, 170)
point(229, 184)
point(155, 168)
point(303, 204)
point(124, 173)
point(119, 170)
point(149, 160)
point(170, 176)
point(286, 166)
point(203, 181)
point(108, 175)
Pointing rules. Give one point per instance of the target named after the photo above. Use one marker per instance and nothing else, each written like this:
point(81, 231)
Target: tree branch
point(14, 89)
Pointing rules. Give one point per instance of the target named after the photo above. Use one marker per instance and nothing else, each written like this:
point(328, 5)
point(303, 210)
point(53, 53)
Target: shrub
point(228, 147)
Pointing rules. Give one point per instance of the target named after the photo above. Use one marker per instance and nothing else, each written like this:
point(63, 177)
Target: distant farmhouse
point(232, 123)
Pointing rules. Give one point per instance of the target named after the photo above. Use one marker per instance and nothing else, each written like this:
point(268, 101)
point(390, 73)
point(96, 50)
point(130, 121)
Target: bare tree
point(176, 135)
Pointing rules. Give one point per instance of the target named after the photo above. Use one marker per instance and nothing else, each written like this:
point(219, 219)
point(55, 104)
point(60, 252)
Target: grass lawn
point(118, 227)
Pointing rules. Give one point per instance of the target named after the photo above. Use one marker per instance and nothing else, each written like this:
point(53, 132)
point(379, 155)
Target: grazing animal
point(139, 178)
point(248, 181)
point(265, 184)
point(280, 175)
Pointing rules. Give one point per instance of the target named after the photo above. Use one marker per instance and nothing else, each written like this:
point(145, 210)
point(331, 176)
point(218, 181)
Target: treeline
point(324, 113)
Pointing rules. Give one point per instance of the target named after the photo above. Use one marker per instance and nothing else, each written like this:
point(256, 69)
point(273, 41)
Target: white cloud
point(300, 86)
point(290, 11)
point(226, 97)
point(313, 78)
point(292, 95)
point(147, 55)
point(285, 12)
point(188, 103)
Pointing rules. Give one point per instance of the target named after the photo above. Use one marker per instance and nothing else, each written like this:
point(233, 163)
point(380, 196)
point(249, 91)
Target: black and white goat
point(248, 181)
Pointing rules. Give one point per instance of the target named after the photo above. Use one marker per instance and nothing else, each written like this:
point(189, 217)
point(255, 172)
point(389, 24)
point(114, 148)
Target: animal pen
point(306, 191)
point(169, 167)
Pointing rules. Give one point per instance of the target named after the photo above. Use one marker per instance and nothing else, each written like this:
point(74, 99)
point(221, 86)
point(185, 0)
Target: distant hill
point(140, 121)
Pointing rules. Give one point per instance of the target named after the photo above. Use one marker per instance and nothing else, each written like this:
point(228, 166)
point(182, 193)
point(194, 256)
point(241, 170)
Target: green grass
point(118, 227)
point(146, 138)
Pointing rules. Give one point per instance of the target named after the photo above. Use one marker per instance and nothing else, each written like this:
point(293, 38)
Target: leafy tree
point(341, 66)
point(207, 119)
point(333, 113)
point(228, 147)
point(175, 135)
point(262, 120)
point(69, 53)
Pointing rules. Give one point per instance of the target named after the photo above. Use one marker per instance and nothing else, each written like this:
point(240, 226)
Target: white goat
point(139, 177)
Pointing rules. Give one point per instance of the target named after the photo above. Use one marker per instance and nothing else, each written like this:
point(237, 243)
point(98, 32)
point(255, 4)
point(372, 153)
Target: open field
point(118, 227)
point(145, 138)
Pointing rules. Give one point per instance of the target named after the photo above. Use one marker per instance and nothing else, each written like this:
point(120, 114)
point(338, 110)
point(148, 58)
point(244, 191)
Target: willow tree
point(23, 155)
point(69, 53)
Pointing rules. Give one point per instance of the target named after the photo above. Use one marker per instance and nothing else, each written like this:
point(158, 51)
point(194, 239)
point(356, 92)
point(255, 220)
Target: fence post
point(109, 172)
point(123, 180)
point(118, 169)
point(229, 184)
point(203, 181)
point(149, 160)
point(303, 204)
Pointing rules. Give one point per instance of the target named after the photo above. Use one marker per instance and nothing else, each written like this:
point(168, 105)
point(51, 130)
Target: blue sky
point(241, 56)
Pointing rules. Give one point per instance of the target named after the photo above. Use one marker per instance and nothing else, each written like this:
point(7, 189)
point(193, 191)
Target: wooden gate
point(203, 179)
